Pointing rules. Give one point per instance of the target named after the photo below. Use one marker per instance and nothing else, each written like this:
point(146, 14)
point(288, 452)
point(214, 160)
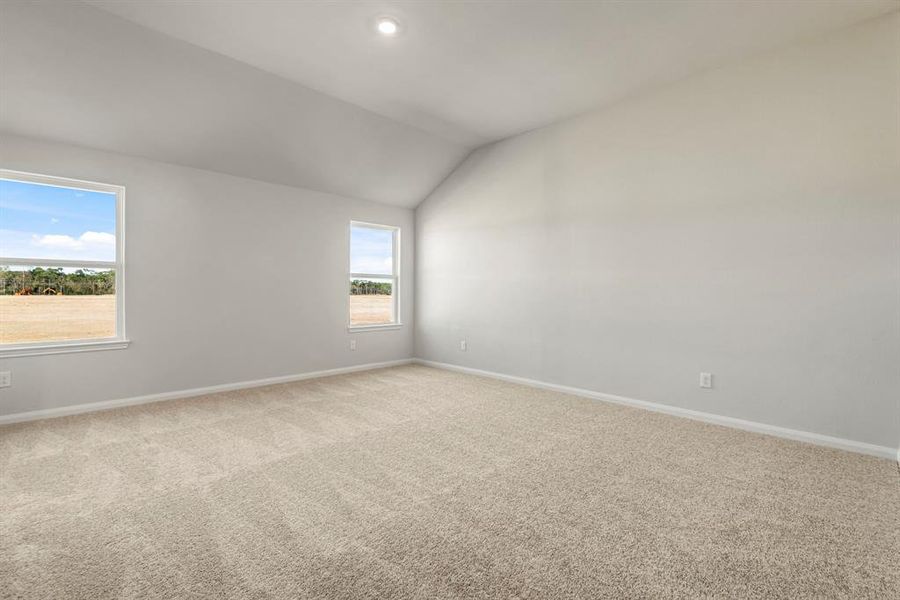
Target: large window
point(374, 275)
point(60, 265)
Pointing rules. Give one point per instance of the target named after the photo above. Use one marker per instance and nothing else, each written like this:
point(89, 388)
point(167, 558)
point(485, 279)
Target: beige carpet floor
point(413, 482)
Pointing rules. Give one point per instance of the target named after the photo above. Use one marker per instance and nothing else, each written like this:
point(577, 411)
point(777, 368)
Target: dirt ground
point(43, 318)
point(370, 310)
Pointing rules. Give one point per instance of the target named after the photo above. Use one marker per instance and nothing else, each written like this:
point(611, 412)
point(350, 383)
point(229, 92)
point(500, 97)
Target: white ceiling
point(307, 94)
point(72, 73)
point(473, 72)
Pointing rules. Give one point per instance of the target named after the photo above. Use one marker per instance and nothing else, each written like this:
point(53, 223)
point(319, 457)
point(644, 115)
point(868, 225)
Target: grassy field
point(42, 318)
point(372, 309)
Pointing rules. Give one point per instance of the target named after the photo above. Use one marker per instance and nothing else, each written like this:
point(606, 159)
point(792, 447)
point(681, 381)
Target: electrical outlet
point(5, 379)
point(463, 346)
point(352, 345)
point(706, 380)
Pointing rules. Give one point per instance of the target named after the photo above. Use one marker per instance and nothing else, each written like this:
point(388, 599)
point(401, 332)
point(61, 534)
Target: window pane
point(52, 304)
point(44, 221)
point(371, 250)
point(371, 302)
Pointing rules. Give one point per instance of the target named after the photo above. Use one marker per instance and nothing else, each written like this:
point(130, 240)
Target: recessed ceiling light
point(387, 26)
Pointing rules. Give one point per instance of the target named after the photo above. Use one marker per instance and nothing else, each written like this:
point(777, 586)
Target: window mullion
point(49, 262)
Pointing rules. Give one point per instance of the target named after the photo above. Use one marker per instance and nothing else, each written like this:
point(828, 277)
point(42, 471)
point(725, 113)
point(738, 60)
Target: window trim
point(396, 323)
point(119, 341)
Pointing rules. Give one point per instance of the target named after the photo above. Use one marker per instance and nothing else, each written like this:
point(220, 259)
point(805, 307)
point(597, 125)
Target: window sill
point(61, 348)
point(385, 327)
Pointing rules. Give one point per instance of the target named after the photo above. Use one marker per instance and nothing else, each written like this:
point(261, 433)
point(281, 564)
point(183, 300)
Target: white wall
point(745, 222)
point(212, 239)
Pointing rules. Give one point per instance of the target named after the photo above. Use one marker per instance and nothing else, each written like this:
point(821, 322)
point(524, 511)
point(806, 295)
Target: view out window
point(60, 262)
point(374, 275)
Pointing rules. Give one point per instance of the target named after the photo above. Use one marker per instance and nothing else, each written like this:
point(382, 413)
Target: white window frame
point(119, 341)
point(394, 276)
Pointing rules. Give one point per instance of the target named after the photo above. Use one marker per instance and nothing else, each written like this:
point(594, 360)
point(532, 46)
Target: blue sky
point(42, 221)
point(371, 250)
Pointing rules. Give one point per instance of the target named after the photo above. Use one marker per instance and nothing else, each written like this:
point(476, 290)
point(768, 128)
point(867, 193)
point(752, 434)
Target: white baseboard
point(49, 413)
point(782, 432)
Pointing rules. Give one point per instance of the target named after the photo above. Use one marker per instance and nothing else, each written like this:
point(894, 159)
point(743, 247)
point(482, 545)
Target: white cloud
point(90, 245)
point(98, 237)
point(86, 241)
point(54, 220)
point(57, 241)
point(371, 264)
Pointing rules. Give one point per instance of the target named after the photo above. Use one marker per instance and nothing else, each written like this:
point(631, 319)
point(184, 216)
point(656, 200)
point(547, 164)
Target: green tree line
point(82, 282)
point(360, 287)
point(87, 282)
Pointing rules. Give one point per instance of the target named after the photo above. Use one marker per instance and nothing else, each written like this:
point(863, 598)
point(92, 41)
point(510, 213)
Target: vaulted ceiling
point(475, 72)
point(76, 74)
point(308, 94)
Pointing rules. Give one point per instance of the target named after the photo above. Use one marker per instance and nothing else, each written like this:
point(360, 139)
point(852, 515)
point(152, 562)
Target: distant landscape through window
point(373, 274)
point(58, 260)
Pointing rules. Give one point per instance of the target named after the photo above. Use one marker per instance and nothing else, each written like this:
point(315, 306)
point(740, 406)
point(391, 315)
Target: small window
point(374, 275)
point(60, 264)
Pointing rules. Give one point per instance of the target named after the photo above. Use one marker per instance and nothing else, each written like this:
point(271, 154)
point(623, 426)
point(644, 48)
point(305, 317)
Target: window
point(374, 276)
point(61, 265)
